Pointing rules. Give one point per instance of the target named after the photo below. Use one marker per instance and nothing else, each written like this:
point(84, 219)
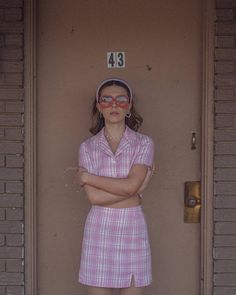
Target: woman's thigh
point(132, 291)
point(99, 291)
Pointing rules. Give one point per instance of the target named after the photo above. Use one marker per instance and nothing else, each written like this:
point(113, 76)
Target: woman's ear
point(130, 106)
point(98, 107)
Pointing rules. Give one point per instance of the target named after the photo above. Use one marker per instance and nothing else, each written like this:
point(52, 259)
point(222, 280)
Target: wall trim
point(30, 147)
point(207, 148)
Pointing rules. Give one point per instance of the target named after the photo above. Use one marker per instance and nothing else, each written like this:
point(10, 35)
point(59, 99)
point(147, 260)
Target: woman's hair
point(133, 122)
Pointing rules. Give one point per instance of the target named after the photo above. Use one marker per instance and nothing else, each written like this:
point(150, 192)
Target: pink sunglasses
point(121, 101)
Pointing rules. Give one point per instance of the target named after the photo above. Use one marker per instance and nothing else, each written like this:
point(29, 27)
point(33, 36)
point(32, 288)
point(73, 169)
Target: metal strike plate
point(192, 202)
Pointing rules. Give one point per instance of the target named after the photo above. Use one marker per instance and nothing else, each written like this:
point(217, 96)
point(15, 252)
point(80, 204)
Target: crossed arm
point(107, 190)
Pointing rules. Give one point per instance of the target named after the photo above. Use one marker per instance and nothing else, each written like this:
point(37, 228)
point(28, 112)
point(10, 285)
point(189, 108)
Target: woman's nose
point(114, 103)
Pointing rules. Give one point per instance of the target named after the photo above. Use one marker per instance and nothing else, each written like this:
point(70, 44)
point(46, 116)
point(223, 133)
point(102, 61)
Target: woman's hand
point(153, 169)
point(147, 179)
point(80, 177)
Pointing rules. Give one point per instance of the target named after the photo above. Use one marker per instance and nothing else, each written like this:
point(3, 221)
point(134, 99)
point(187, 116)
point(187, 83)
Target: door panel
point(162, 41)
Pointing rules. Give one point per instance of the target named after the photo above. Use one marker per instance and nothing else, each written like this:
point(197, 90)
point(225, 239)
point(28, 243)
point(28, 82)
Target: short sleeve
point(84, 159)
point(145, 153)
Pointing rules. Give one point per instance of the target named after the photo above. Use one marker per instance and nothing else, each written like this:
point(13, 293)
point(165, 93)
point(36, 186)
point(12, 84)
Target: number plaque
point(115, 60)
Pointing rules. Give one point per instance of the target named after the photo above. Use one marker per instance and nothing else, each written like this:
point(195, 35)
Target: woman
point(115, 166)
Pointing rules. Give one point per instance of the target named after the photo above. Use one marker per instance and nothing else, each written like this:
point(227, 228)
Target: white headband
point(115, 80)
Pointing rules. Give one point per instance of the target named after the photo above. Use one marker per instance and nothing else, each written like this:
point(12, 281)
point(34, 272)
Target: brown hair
point(133, 122)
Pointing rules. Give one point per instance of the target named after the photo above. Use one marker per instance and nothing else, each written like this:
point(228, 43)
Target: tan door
point(162, 42)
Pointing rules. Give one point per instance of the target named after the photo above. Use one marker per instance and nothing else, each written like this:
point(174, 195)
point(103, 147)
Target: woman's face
point(114, 104)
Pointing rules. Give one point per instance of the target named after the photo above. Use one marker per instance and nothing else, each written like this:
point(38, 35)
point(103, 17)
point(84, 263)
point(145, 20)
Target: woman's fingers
point(153, 170)
point(78, 175)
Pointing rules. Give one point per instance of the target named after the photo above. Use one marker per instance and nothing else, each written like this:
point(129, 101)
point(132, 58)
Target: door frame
point(30, 34)
point(207, 152)
point(30, 171)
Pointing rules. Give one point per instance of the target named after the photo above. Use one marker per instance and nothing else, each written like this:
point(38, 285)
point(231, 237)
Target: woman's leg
point(132, 291)
point(99, 291)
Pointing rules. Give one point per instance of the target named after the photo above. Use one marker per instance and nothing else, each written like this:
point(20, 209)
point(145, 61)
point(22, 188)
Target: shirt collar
point(127, 139)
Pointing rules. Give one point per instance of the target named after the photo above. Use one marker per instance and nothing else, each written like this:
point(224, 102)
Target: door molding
point(207, 153)
point(31, 148)
point(30, 171)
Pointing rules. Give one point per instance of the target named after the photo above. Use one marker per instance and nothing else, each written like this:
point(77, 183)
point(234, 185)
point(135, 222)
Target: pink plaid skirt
point(115, 248)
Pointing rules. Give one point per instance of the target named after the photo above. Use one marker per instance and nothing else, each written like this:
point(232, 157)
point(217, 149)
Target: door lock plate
point(192, 202)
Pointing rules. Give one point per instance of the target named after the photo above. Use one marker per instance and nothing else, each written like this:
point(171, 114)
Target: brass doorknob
point(191, 201)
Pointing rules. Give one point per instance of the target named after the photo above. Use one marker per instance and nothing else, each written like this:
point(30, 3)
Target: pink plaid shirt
point(96, 156)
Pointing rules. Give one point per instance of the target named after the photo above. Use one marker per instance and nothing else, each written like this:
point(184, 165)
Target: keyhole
point(193, 141)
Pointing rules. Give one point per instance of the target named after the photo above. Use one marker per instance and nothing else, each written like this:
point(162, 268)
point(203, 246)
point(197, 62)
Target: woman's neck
point(114, 131)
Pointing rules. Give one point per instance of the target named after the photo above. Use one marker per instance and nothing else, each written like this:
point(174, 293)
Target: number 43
point(115, 60)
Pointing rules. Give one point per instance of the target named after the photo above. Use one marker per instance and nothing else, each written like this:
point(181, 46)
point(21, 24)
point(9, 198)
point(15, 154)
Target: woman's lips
point(114, 113)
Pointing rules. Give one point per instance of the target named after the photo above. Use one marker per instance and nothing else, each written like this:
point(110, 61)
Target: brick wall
point(11, 147)
point(225, 150)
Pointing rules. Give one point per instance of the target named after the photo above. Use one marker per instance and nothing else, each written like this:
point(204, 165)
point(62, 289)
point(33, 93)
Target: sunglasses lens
point(106, 99)
point(122, 99)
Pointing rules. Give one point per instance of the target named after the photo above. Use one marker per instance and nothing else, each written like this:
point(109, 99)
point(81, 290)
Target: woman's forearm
point(111, 185)
point(99, 197)
point(126, 187)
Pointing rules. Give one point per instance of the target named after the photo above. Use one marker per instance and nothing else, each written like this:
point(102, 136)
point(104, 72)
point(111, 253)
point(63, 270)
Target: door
point(162, 43)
